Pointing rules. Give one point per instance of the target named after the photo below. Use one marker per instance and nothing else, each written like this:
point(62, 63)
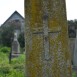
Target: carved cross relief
point(46, 32)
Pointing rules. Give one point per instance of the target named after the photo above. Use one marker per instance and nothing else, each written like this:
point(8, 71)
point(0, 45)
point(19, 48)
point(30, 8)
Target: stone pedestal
point(47, 50)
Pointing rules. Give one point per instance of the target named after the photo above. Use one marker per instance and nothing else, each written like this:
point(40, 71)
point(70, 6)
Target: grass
point(15, 69)
point(74, 74)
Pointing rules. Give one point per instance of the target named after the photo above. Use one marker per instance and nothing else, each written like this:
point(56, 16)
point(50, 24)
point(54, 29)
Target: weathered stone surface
point(47, 50)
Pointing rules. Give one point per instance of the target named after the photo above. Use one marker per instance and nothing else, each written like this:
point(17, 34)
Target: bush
point(15, 73)
point(4, 69)
point(19, 60)
point(21, 40)
point(15, 69)
point(5, 49)
point(9, 71)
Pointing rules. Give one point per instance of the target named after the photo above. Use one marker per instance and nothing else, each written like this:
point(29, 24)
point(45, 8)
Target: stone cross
point(45, 29)
point(47, 50)
point(15, 36)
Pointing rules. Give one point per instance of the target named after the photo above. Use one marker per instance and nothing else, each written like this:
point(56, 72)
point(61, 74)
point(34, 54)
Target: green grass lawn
point(15, 69)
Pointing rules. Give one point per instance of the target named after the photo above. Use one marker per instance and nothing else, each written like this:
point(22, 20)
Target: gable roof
point(12, 16)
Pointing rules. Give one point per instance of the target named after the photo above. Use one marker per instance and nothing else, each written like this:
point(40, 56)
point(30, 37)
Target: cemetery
point(12, 55)
point(43, 44)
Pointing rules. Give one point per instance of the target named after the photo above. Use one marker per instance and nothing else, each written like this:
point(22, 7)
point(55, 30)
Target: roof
point(13, 15)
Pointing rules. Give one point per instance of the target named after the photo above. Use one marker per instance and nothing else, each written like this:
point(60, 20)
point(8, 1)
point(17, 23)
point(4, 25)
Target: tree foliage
point(72, 28)
point(7, 34)
point(21, 40)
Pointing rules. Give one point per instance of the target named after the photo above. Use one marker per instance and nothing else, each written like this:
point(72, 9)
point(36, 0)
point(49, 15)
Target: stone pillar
point(47, 50)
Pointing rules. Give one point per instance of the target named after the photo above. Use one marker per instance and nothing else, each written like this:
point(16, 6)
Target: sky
point(7, 7)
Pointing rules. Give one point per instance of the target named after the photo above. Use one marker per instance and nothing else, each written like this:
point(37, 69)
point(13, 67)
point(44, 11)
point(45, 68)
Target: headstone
point(75, 52)
point(72, 47)
point(15, 47)
point(47, 50)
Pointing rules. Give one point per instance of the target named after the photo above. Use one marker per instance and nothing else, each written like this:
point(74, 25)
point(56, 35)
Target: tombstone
point(47, 49)
point(72, 47)
point(15, 47)
point(75, 52)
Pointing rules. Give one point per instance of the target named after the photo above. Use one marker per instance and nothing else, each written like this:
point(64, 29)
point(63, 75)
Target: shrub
point(19, 59)
point(5, 49)
point(21, 40)
point(5, 69)
point(15, 73)
point(15, 69)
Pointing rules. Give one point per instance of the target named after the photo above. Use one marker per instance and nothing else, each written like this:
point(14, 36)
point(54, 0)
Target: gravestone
point(47, 50)
point(72, 47)
point(75, 52)
point(15, 47)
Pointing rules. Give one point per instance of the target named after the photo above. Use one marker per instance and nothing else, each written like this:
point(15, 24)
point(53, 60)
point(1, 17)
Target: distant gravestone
point(75, 52)
point(46, 30)
point(15, 47)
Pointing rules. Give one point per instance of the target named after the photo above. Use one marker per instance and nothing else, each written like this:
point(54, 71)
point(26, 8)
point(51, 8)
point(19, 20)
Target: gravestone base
point(15, 55)
point(11, 56)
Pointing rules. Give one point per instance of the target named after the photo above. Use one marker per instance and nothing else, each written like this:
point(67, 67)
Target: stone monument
point(15, 47)
point(75, 52)
point(47, 48)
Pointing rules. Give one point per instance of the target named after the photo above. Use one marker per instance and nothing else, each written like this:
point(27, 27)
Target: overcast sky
point(7, 7)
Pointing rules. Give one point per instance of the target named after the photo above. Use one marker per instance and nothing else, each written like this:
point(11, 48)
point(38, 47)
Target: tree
point(7, 34)
point(75, 23)
point(71, 29)
point(21, 40)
